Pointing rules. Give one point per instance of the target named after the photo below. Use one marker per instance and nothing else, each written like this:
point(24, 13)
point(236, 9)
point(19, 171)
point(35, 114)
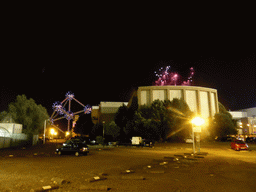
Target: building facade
point(201, 100)
point(105, 112)
point(246, 121)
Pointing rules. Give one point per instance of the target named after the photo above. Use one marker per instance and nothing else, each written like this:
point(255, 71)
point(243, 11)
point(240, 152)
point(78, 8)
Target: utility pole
point(103, 131)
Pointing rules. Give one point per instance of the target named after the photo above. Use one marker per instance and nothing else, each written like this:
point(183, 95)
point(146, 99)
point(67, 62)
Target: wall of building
point(248, 125)
point(105, 112)
point(246, 120)
point(11, 135)
point(238, 114)
point(12, 128)
point(95, 114)
point(251, 112)
point(201, 100)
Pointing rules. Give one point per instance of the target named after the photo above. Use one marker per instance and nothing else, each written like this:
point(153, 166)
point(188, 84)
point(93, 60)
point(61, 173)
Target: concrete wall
point(201, 100)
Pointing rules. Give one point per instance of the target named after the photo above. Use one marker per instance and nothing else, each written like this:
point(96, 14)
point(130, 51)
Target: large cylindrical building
point(201, 100)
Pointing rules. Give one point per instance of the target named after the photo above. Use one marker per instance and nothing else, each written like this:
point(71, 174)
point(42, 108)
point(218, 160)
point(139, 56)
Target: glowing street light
point(67, 133)
point(52, 131)
point(197, 122)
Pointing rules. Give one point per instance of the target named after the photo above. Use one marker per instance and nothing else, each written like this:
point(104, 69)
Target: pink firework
point(165, 77)
point(190, 77)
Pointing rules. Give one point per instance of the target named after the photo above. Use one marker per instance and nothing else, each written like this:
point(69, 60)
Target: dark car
point(148, 143)
point(73, 146)
point(238, 145)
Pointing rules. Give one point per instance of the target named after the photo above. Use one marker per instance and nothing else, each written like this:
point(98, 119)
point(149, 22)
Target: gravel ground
point(221, 170)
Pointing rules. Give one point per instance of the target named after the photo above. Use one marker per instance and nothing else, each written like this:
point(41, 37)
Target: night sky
point(105, 55)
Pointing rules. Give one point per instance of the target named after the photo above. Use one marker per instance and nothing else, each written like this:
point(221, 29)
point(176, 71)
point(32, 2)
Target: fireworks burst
point(166, 77)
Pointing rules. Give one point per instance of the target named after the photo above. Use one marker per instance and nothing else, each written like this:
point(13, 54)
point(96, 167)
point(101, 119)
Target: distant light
point(52, 131)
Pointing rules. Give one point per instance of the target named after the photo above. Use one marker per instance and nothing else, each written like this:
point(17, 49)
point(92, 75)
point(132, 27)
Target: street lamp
point(197, 122)
point(52, 131)
point(67, 133)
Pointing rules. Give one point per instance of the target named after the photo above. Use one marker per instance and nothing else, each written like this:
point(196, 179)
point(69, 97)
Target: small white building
point(10, 132)
point(7, 129)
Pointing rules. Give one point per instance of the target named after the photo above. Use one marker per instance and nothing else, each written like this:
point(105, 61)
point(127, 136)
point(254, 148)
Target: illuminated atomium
point(59, 109)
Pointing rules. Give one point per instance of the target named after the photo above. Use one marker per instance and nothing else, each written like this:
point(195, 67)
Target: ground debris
point(128, 171)
point(44, 188)
point(59, 181)
point(96, 178)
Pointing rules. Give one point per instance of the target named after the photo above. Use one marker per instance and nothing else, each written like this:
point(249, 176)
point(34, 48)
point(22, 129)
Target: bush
point(100, 140)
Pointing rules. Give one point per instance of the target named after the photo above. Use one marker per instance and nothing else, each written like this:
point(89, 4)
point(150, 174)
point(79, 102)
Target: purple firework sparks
point(165, 77)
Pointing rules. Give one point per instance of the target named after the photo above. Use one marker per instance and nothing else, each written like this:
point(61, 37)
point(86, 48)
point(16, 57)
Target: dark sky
point(102, 55)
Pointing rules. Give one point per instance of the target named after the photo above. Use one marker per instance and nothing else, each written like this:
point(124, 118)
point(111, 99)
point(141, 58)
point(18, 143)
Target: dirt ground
point(166, 167)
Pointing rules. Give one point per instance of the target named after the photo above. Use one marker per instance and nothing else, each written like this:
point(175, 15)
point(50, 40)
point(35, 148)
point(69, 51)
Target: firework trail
point(165, 77)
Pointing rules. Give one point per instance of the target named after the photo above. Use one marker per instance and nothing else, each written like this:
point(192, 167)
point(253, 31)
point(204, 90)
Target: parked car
point(238, 145)
point(73, 146)
point(188, 140)
point(251, 139)
point(224, 139)
point(148, 143)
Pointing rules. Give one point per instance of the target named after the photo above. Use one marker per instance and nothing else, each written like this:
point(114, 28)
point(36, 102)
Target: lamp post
point(197, 122)
point(44, 130)
point(103, 131)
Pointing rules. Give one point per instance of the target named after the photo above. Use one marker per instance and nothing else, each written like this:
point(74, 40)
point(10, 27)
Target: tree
point(223, 124)
point(148, 120)
point(121, 119)
point(163, 120)
point(97, 130)
point(121, 116)
point(84, 125)
point(179, 117)
point(29, 114)
point(113, 130)
point(3, 115)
